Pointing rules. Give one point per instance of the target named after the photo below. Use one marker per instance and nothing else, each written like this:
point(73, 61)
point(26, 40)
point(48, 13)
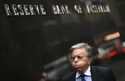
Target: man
point(81, 56)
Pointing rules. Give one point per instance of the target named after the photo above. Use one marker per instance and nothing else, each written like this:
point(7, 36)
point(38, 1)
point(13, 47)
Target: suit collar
point(86, 73)
point(96, 76)
point(73, 76)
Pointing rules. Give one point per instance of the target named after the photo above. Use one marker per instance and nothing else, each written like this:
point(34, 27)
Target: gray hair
point(87, 47)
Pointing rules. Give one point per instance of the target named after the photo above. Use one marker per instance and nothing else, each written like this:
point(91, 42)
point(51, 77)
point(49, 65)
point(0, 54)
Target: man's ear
point(90, 61)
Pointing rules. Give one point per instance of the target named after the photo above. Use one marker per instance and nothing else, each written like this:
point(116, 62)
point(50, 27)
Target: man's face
point(79, 59)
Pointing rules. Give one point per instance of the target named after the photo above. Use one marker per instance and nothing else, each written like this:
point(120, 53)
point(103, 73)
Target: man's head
point(81, 56)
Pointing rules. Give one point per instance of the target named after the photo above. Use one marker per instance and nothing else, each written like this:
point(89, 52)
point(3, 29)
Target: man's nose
point(75, 59)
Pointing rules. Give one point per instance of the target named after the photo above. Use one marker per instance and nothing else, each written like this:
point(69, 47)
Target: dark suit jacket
point(98, 73)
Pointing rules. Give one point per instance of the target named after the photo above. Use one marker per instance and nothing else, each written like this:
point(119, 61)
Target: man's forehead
point(79, 51)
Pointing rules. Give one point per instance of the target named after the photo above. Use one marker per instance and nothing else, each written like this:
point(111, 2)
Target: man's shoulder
point(104, 72)
point(102, 69)
point(70, 77)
